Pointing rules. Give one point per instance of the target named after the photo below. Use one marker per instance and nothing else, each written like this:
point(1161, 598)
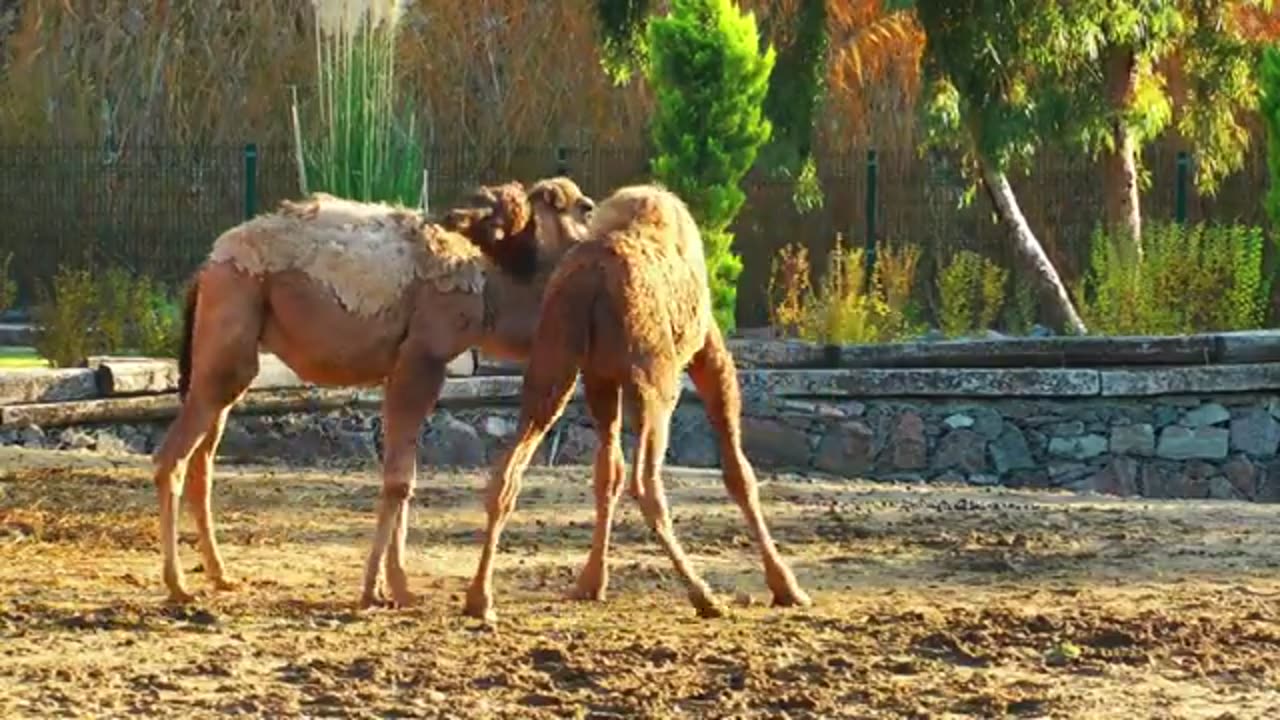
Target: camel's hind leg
point(655, 408)
point(716, 380)
point(605, 404)
point(226, 325)
point(548, 383)
point(199, 488)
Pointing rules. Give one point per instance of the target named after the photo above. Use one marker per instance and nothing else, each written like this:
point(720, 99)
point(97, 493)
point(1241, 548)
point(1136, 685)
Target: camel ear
point(462, 219)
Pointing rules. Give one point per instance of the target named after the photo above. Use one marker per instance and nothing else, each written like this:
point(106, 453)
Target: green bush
point(1191, 279)
point(114, 314)
point(970, 292)
point(8, 287)
point(709, 77)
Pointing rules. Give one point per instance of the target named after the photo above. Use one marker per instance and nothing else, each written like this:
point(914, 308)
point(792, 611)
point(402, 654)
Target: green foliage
point(845, 308)
point(1269, 104)
point(362, 147)
point(1021, 310)
point(1191, 279)
point(115, 313)
point(971, 293)
point(796, 88)
point(8, 286)
point(710, 80)
point(622, 31)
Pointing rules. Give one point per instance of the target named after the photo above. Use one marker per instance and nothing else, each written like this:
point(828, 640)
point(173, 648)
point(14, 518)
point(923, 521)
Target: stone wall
point(1037, 416)
point(1166, 447)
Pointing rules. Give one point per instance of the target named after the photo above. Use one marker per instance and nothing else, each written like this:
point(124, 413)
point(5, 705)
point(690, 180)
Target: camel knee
point(396, 492)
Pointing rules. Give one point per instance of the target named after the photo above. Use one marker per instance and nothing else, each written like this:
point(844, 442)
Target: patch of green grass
point(20, 356)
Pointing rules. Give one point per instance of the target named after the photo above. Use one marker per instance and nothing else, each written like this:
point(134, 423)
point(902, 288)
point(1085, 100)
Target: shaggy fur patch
point(368, 254)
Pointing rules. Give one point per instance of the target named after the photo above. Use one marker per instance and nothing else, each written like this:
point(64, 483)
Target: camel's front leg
point(603, 400)
point(411, 393)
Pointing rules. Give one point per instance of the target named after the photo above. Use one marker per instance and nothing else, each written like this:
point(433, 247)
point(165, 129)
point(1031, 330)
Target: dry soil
point(931, 602)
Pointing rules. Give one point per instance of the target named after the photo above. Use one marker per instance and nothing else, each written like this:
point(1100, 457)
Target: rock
point(1031, 478)
point(984, 479)
point(958, 421)
point(694, 444)
point(1068, 473)
point(1221, 489)
point(1119, 477)
point(949, 477)
point(499, 426)
point(963, 450)
point(1137, 439)
point(774, 444)
point(1207, 414)
point(109, 443)
point(1182, 443)
point(908, 447)
point(31, 436)
point(74, 439)
point(1255, 433)
point(1069, 429)
point(846, 449)
point(450, 442)
point(1162, 480)
point(853, 408)
point(1268, 483)
point(1078, 448)
point(1165, 415)
point(576, 445)
point(355, 444)
point(1243, 476)
point(988, 423)
point(1010, 451)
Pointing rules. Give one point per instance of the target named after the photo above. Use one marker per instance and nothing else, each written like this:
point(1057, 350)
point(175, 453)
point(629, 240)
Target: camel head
point(524, 232)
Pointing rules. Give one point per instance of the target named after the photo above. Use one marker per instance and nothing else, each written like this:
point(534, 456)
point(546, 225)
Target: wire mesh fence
point(155, 210)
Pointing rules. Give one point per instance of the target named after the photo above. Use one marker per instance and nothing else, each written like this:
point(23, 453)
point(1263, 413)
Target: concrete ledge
point(46, 385)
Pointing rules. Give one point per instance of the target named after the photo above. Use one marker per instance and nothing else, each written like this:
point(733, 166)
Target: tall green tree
point(1105, 68)
point(982, 61)
point(709, 77)
point(1269, 101)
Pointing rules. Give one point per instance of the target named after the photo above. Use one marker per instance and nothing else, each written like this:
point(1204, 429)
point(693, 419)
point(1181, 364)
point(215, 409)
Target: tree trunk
point(1052, 291)
point(1119, 165)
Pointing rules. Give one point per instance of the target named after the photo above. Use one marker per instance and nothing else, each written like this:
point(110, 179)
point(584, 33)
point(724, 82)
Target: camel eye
point(585, 206)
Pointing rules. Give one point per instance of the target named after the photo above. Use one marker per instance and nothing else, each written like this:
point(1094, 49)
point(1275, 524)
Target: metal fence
point(157, 209)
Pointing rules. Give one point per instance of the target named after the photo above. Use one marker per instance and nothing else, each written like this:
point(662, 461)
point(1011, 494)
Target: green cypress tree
point(710, 78)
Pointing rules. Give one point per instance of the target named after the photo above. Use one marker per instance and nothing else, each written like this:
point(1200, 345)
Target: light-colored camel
point(631, 309)
point(356, 294)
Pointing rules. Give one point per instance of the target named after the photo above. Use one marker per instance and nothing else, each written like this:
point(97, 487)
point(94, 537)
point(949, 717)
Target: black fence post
point(873, 166)
point(250, 181)
point(562, 161)
point(1180, 196)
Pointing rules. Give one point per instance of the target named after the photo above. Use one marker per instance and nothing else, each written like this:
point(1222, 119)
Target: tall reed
point(365, 147)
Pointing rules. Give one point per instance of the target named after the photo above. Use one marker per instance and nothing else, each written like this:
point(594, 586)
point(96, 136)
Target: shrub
point(114, 314)
point(970, 292)
point(8, 288)
point(845, 308)
point(1021, 310)
point(709, 77)
point(1191, 279)
point(64, 318)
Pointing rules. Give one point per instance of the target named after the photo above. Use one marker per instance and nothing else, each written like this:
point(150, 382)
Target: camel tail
point(188, 329)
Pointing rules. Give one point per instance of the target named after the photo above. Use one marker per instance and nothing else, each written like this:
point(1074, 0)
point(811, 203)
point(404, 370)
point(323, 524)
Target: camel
point(630, 309)
point(356, 294)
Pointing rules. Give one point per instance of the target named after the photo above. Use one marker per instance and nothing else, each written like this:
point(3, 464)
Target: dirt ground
point(931, 602)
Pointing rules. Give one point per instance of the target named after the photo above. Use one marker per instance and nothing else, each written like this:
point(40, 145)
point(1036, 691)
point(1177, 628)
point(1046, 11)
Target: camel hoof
point(402, 599)
point(707, 607)
point(580, 593)
point(372, 600)
point(792, 597)
point(480, 607)
point(225, 585)
point(180, 597)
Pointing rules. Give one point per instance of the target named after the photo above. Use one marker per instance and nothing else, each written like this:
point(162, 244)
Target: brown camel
point(356, 294)
point(630, 309)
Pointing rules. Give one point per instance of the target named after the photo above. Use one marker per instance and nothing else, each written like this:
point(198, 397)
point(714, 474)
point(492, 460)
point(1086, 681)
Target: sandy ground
point(931, 603)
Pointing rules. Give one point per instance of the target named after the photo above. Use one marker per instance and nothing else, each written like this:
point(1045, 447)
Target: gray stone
point(1243, 476)
point(1206, 415)
point(576, 445)
point(1010, 452)
point(1031, 478)
point(1067, 473)
point(1268, 483)
point(110, 443)
point(984, 479)
point(1181, 443)
point(853, 408)
point(499, 426)
point(1221, 489)
point(1162, 480)
point(774, 444)
point(74, 439)
point(1198, 379)
point(1069, 429)
point(1165, 415)
point(1118, 477)
point(987, 422)
point(949, 477)
point(1078, 448)
point(957, 421)
point(1255, 433)
point(908, 449)
point(1133, 440)
point(693, 444)
point(450, 442)
point(846, 449)
point(31, 436)
point(963, 450)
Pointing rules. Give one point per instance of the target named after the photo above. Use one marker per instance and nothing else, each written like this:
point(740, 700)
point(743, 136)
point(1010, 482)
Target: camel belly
point(310, 331)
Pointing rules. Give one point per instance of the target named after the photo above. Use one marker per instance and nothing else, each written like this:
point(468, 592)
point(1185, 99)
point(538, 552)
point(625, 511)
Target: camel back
point(367, 254)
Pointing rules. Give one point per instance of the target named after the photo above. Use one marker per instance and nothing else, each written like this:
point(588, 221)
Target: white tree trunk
point(1033, 254)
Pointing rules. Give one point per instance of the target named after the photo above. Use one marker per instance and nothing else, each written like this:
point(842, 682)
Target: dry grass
point(932, 602)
